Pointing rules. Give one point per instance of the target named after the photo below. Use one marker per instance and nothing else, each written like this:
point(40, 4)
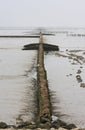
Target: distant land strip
point(19, 36)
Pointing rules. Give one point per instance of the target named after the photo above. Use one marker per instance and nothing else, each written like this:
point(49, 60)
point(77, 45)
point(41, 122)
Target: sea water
point(18, 99)
point(17, 79)
point(62, 69)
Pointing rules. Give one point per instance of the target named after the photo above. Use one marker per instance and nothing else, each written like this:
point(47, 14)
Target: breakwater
point(43, 91)
point(46, 47)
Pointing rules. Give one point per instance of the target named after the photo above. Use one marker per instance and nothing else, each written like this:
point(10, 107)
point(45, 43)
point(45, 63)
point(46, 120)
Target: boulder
point(79, 71)
point(82, 85)
point(46, 125)
point(44, 120)
point(57, 124)
point(78, 77)
point(70, 126)
point(27, 125)
point(62, 128)
point(3, 125)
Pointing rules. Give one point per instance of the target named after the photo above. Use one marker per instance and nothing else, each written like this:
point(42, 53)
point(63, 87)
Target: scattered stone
point(38, 128)
point(46, 125)
point(75, 129)
point(81, 67)
point(3, 125)
point(57, 124)
point(52, 129)
point(27, 125)
point(84, 53)
point(66, 49)
point(44, 119)
point(79, 71)
point(71, 126)
point(69, 75)
point(73, 63)
point(32, 126)
point(61, 125)
point(62, 128)
point(78, 77)
point(54, 118)
point(82, 85)
point(12, 127)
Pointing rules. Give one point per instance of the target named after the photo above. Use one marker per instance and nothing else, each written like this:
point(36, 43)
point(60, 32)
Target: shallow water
point(17, 81)
point(18, 76)
point(68, 98)
point(62, 81)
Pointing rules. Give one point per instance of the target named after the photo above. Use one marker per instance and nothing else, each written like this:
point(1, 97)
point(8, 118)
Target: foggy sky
point(59, 13)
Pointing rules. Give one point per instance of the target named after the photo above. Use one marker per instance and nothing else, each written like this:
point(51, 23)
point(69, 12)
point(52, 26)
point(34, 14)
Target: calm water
point(17, 81)
point(18, 76)
point(62, 68)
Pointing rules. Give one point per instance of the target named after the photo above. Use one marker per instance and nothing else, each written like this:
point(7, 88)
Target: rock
point(44, 120)
point(81, 67)
point(82, 85)
point(79, 71)
point(38, 128)
point(66, 49)
point(54, 118)
point(52, 129)
point(61, 125)
point(70, 74)
point(70, 126)
point(58, 124)
point(27, 125)
point(75, 129)
point(32, 126)
point(62, 128)
point(3, 125)
point(78, 77)
point(47, 125)
point(11, 127)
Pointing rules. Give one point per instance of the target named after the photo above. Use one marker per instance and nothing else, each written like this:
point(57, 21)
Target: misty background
point(35, 13)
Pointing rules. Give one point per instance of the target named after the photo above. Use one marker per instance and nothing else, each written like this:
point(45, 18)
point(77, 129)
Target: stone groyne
point(43, 91)
point(46, 47)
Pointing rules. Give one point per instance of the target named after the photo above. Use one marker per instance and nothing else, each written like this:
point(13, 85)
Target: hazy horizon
point(42, 13)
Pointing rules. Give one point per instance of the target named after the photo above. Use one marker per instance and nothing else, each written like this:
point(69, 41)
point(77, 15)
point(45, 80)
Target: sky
point(45, 13)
